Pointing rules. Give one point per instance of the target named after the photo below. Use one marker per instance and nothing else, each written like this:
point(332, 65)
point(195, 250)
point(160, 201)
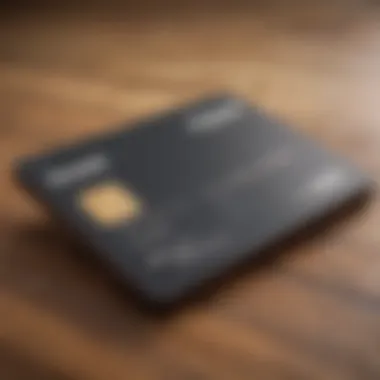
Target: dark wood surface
point(314, 313)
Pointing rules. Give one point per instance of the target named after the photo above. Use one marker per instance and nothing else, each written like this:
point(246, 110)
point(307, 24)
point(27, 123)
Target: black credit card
point(186, 195)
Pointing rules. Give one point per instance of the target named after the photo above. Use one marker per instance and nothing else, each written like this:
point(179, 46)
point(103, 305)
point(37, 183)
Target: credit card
point(180, 198)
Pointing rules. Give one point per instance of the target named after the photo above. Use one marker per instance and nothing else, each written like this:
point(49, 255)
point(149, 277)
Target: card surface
point(184, 196)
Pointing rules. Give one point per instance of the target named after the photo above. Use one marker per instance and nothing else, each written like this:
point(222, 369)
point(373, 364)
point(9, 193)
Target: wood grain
point(68, 71)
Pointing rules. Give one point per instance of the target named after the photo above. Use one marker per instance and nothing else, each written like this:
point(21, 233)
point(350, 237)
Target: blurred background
point(69, 69)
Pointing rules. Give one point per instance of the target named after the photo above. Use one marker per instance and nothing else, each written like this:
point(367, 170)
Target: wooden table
point(313, 314)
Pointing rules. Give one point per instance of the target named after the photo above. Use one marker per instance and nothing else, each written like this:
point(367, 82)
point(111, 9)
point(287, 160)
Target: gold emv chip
point(110, 203)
